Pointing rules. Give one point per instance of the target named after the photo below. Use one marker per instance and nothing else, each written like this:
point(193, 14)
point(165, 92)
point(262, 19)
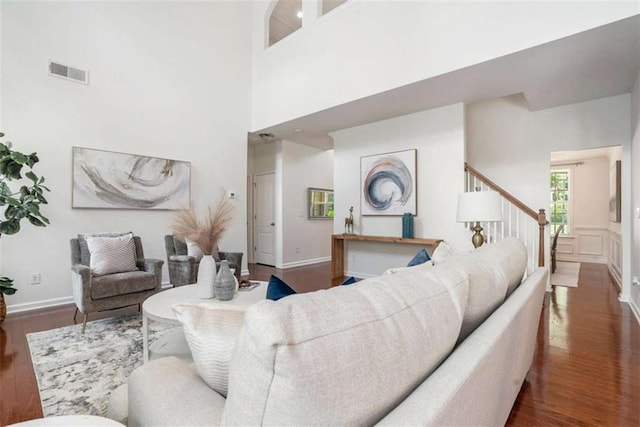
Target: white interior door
point(264, 219)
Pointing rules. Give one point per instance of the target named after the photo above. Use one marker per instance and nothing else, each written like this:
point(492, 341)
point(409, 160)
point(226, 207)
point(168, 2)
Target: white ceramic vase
point(206, 277)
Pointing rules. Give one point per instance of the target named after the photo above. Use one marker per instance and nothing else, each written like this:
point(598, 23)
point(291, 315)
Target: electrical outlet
point(297, 250)
point(34, 278)
point(635, 281)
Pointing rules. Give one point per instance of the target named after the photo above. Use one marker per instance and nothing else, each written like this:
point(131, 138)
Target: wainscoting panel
point(615, 256)
point(585, 244)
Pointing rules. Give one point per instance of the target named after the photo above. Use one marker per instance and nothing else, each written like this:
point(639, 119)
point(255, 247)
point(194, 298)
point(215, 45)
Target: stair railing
point(519, 220)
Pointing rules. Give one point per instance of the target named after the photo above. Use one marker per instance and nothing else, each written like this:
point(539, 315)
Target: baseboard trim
point(359, 274)
point(600, 260)
point(36, 305)
point(302, 263)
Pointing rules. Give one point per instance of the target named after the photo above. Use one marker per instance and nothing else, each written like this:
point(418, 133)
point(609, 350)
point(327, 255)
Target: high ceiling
point(590, 65)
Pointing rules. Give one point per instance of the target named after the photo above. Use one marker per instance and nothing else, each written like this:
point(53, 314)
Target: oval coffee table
point(158, 308)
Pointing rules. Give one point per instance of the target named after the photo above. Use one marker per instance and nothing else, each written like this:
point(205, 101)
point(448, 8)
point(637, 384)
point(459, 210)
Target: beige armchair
point(92, 292)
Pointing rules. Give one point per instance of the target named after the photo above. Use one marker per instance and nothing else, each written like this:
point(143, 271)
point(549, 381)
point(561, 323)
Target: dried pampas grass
point(207, 232)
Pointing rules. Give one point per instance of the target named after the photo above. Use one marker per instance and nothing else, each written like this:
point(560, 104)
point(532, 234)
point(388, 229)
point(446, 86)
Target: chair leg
point(74, 316)
point(84, 323)
point(139, 308)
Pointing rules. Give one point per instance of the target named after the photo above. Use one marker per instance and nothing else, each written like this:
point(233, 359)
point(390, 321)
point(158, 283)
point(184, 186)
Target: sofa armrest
point(152, 266)
point(167, 391)
point(81, 284)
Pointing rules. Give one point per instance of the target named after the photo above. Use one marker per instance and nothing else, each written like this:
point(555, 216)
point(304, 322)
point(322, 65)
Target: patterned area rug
point(76, 373)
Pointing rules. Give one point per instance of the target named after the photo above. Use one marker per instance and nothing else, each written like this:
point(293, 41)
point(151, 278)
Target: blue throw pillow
point(421, 257)
point(350, 281)
point(277, 288)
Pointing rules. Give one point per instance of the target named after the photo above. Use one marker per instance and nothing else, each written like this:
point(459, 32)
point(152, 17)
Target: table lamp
point(479, 206)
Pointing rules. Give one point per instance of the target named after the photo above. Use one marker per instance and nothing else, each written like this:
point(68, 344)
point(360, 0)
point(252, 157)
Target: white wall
point(167, 79)
point(368, 47)
point(512, 146)
point(438, 136)
point(306, 241)
point(634, 297)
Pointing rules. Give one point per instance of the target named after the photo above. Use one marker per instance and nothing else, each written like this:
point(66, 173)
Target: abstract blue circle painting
point(388, 183)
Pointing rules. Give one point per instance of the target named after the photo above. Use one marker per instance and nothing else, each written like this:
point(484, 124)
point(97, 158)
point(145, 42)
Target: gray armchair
point(183, 269)
point(93, 293)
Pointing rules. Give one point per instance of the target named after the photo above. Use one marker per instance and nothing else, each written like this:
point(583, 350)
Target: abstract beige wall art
point(104, 179)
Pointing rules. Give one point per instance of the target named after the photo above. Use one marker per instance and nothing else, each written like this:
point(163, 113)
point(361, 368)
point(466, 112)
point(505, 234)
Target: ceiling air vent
point(68, 73)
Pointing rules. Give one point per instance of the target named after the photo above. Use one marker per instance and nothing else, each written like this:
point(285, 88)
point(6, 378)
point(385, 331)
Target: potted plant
point(18, 204)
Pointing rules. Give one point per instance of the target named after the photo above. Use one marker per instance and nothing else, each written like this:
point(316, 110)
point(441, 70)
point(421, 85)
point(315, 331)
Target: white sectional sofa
point(443, 344)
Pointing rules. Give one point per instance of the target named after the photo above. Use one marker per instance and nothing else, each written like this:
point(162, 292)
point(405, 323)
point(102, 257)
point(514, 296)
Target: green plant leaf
point(35, 221)
point(19, 157)
point(32, 176)
point(9, 227)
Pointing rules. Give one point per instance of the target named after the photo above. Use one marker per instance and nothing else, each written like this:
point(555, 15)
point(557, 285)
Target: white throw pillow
point(211, 332)
point(112, 254)
point(194, 250)
point(442, 252)
point(394, 270)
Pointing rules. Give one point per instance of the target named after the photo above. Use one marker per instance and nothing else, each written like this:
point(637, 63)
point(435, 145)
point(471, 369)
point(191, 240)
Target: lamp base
point(478, 238)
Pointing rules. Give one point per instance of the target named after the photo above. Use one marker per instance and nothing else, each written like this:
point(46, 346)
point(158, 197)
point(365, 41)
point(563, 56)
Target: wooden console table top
point(337, 247)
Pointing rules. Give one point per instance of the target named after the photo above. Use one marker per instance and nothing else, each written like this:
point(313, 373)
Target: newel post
point(542, 222)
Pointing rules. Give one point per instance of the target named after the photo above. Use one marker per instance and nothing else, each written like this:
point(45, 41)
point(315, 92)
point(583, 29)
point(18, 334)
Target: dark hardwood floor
point(586, 369)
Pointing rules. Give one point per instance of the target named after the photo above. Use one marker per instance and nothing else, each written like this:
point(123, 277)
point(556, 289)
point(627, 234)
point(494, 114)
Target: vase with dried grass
point(205, 234)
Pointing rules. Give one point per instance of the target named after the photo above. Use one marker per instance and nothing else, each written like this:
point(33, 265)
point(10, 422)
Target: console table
point(337, 247)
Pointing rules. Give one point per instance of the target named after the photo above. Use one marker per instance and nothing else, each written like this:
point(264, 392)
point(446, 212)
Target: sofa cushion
point(420, 258)
point(517, 260)
point(111, 254)
point(345, 355)
point(487, 271)
point(211, 332)
point(442, 252)
point(121, 283)
point(168, 392)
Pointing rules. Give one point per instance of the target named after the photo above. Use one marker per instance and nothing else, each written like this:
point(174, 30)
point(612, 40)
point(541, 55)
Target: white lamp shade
point(481, 206)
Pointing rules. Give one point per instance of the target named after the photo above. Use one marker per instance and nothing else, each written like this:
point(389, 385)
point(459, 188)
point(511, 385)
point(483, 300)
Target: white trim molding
point(35, 305)
point(304, 262)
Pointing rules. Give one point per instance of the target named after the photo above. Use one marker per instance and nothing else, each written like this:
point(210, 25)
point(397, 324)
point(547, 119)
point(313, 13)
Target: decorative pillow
point(442, 252)
point(395, 270)
point(421, 257)
point(277, 288)
point(85, 257)
point(194, 250)
point(211, 332)
point(111, 254)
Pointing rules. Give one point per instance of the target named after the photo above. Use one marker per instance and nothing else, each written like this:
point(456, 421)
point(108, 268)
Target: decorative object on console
point(105, 179)
point(388, 183)
point(348, 222)
point(479, 206)
point(407, 225)
point(225, 284)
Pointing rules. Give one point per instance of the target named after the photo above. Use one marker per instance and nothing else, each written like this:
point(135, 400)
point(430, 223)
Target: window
point(285, 18)
point(559, 212)
point(320, 203)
